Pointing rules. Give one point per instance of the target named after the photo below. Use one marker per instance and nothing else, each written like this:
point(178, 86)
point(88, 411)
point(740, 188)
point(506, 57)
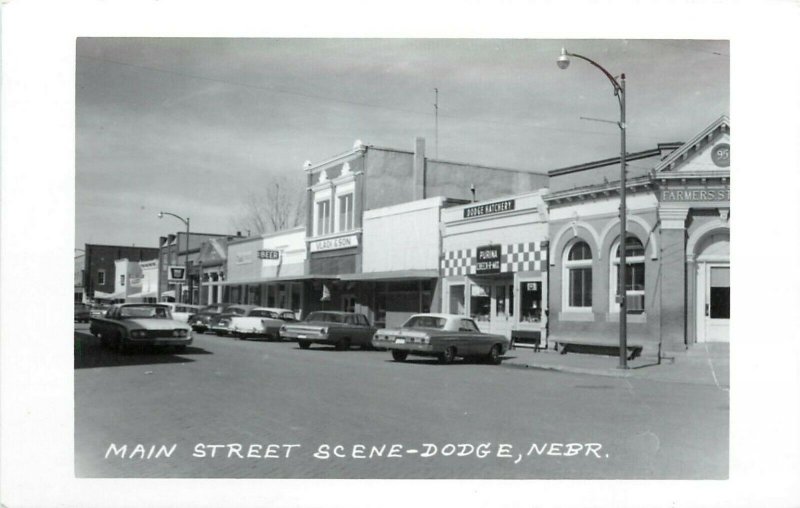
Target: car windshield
point(327, 317)
point(145, 311)
point(236, 310)
point(264, 313)
point(426, 322)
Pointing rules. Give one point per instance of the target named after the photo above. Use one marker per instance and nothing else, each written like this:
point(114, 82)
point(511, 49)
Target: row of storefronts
point(531, 256)
point(539, 265)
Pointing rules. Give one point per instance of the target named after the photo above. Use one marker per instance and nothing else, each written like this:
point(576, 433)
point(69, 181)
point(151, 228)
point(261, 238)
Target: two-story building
point(352, 268)
point(173, 250)
point(99, 267)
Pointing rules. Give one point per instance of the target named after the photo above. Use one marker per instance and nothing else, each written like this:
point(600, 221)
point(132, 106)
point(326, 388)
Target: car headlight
point(425, 340)
point(283, 328)
point(136, 334)
point(324, 331)
point(179, 333)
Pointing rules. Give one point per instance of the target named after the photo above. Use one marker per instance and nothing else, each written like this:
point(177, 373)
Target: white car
point(261, 322)
point(182, 311)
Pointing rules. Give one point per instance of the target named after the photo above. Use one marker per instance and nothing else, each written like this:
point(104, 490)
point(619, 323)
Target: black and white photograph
point(350, 265)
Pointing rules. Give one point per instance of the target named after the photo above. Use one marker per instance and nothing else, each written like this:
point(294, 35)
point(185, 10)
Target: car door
point(473, 340)
point(365, 331)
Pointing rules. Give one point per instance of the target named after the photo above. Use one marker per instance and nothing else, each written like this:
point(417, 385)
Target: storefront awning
point(100, 295)
point(262, 280)
point(393, 275)
point(149, 294)
point(170, 293)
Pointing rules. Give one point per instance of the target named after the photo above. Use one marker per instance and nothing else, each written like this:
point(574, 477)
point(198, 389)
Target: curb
point(571, 370)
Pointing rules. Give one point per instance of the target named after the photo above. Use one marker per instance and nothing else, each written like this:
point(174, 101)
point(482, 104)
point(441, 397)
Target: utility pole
point(436, 115)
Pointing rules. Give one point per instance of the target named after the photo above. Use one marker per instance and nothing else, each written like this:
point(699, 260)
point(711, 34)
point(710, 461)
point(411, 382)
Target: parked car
point(340, 329)
point(140, 324)
point(221, 323)
point(182, 311)
point(98, 310)
point(201, 320)
point(261, 322)
point(82, 312)
point(444, 336)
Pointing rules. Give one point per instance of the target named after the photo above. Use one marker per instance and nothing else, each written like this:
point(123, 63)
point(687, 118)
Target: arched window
point(578, 277)
point(634, 276)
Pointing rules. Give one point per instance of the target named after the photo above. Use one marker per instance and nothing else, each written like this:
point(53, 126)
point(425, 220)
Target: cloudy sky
point(192, 126)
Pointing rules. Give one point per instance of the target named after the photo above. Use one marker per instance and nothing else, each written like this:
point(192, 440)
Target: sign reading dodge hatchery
point(342, 242)
point(176, 273)
point(687, 193)
point(489, 208)
point(488, 259)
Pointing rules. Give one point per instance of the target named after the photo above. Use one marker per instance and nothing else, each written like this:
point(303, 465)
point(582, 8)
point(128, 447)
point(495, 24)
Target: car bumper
point(161, 341)
point(410, 347)
point(311, 337)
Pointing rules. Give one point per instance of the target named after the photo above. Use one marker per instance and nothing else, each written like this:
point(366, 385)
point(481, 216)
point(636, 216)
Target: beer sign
point(176, 274)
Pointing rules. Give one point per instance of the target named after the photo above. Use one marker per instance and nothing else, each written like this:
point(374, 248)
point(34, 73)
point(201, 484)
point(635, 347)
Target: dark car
point(201, 320)
point(140, 324)
point(221, 323)
point(82, 312)
point(340, 329)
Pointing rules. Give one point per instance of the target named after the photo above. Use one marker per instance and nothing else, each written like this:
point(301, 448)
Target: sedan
point(443, 336)
point(339, 329)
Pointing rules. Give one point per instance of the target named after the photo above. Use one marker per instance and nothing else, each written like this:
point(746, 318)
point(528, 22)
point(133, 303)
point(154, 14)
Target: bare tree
point(278, 205)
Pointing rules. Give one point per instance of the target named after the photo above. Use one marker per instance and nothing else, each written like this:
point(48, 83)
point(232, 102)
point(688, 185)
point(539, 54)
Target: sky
point(194, 126)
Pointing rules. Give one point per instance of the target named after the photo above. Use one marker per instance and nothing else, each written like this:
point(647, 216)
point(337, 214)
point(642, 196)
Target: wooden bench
point(634, 349)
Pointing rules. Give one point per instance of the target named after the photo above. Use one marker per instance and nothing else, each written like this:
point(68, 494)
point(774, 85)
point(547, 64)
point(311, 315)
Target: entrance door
point(717, 302)
point(502, 308)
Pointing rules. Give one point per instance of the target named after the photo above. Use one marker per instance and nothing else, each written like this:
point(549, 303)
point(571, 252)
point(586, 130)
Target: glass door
point(718, 303)
point(502, 308)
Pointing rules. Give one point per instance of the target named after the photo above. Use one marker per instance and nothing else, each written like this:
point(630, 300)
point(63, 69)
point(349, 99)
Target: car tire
point(448, 355)
point(399, 356)
point(304, 344)
point(343, 344)
point(493, 357)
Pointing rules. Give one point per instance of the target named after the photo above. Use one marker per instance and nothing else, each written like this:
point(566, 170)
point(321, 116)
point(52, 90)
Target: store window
point(323, 217)
point(578, 277)
point(457, 300)
point(530, 309)
point(480, 303)
point(101, 277)
point(122, 280)
point(634, 276)
point(345, 208)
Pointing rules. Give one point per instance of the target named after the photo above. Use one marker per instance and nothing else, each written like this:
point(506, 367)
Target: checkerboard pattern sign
point(515, 257)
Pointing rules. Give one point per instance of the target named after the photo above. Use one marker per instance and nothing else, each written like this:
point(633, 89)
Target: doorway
point(714, 290)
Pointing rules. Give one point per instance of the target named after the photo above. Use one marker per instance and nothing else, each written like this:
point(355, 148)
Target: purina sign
point(488, 259)
point(342, 242)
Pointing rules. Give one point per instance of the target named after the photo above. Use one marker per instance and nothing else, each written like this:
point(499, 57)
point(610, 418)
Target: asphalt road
point(387, 419)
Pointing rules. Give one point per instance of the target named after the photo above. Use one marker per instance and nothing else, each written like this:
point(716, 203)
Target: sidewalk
point(706, 364)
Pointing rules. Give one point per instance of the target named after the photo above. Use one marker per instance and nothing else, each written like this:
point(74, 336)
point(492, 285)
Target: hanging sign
point(176, 274)
point(487, 259)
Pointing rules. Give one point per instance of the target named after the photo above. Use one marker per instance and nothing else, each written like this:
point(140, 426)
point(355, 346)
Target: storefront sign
point(269, 254)
point(135, 282)
point(696, 194)
point(242, 258)
point(488, 259)
point(343, 242)
point(176, 274)
point(489, 208)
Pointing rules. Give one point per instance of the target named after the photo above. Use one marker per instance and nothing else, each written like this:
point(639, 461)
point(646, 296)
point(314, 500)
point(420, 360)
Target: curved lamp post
point(619, 91)
point(186, 273)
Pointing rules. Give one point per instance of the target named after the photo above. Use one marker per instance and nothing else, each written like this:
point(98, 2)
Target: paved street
point(251, 395)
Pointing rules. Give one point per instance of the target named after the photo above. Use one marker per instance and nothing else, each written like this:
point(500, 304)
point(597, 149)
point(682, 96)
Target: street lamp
point(619, 92)
point(186, 273)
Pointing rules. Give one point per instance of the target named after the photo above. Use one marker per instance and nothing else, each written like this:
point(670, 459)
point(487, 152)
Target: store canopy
point(393, 275)
point(170, 293)
point(149, 294)
point(269, 280)
point(100, 295)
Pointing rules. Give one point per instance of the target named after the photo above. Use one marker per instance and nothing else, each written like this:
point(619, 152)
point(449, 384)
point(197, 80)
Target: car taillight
point(324, 330)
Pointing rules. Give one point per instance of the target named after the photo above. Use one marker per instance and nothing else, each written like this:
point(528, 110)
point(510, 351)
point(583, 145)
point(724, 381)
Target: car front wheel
point(343, 345)
point(304, 344)
point(399, 356)
point(494, 355)
point(448, 355)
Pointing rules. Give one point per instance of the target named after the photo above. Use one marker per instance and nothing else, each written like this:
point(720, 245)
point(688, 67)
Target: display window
point(480, 302)
point(634, 276)
point(578, 277)
point(530, 305)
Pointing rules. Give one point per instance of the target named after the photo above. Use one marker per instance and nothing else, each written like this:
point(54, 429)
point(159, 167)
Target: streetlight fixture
point(619, 91)
point(186, 273)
